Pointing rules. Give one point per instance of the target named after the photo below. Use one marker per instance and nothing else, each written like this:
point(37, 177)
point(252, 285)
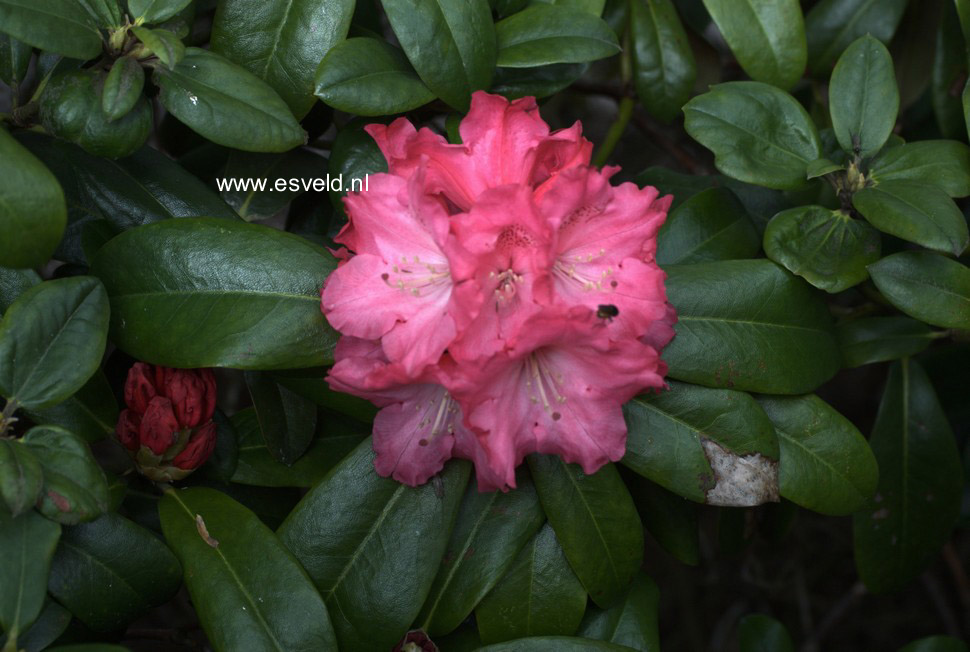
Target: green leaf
point(281, 42)
point(758, 134)
point(543, 81)
point(105, 13)
point(663, 63)
point(312, 384)
point(942, 163)
point(863, 97)
point(91, 412)
point(827, 248)
point(758, 633)
point(13, 283)
point(284, 173)
point(832, 25)
point(75, 489)
point(558, 643)
point(544, 34)
point(632, 621)
point(52, 339)
point(681, 186)
point(768, 38)
point(670, 519)
point(27, 544)
point(935, 644)
point(247, 589)
point(14, 60)
point(48, 627)
point(286, 420)
point(51, 25)
point(595, 521)
point(917, 500)
point(32, 208)
point(354, 156)
point(451, 45)
point(711, 225)
point(826, 464)
point(878, 339)
point(491, 528)
point(926, 286)
point(821, 167)
point(21, 476)
point(227, 104)
point(949, 71)
point(110, 571)
point(368, 76)
point(749, 324)
point(539, 595)
point(155, 11)
point(915, 212)
point(215, 293)
point(122, 88)
point(372, 546)
point(708, 445)
point(163, 43)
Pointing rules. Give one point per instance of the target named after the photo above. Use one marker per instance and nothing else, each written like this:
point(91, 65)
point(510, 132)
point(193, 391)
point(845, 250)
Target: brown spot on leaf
point(204, 531)
point(60, 502)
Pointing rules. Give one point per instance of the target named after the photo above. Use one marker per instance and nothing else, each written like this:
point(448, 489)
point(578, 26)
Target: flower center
point(416, 277)
point(543, 384)
point(439, 414)
point(505, 285)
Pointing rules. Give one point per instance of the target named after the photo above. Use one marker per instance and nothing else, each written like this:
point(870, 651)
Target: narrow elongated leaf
point(75, 489)
point(247, 588)
point(52, 26)
point(663, 63)
point(758, 633)
point(711, 225)
point(863, 97)
point(758, 133)
point(287, 420)
point(155, 11)
point(32, 208)
point(768, 38)
point(632, 621)
point(112, 552)
point(826, 464)
point(52, 339)
point(539, 595)
point(227, 104)
point(213, 293)
point(877, 339)
point(827, 248)
point(749, 324)
point(27, 544)
point(122, 88)
point(595, 521)
point(368, 76)
point(281, 42)
point(451, 45)
point(544, 34)
point(90, 412)
point(21, 476)
point(372, 546)
point(489, 531)
point(917, 499)
point(943, 163)
point(14, 59)
point(709, 445)
point(926, 286)
point(832, 25)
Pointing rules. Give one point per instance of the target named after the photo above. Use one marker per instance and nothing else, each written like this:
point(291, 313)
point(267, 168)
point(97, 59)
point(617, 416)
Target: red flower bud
point(159, 427)
point(140, 387)
point(129, 423)
point(199, 448)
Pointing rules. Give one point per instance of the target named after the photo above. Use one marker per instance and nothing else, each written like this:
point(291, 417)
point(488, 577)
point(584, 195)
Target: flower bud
point(168, 428)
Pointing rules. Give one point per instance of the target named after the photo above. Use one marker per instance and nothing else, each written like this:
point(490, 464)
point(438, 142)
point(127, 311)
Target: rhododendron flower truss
point(500, 297)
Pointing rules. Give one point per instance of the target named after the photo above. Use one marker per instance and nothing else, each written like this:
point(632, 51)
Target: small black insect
point(607, 311)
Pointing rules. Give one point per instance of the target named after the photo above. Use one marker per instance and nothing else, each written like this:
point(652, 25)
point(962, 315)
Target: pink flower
point(501, 297)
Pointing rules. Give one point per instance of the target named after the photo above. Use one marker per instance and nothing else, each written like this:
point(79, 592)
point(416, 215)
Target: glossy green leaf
point(670, 519)
point(281, 42)
point(943, 163)
point(227, 104)
point(14, 59)
point(632, 621)
point(51, 25)
point(163, 43)
point(749, 324)
point(663, 63)
point(451, 45)
point(372, 545)
point(122, 88)
point(595, 521)
point(48, 627)
point(917, 500)
point(138, 569)
point(949, 71)
point(827, 248)
point(32, 208)
point(768, 38)
point(285, 175)
point(13, 283)
point(106, 13)
point(312, 384)
point(214, 293)
point(27, 544)
point(681, 186)
point(832, 25)
point(711, 225)
point(539, 595)
point(878, 339)
point(758, 134)
point(368, 76)
point(21, 476)
point(935, 644)
point(248, 590)
point(90, 412)
point(821, 167)
point(826, 464)
point(863, 97)
point(538, 82)
point(491, 528)
point(155, 11)
point(544, 34)
point(75, 489)
point(287, 420)
point(354, 156)
point(758, 633)
point(558, 643)
point(52, 339)
point(709, 445)
point(926, 286)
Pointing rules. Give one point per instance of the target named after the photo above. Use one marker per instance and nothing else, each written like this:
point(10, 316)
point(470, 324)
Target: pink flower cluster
point(501, 298)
